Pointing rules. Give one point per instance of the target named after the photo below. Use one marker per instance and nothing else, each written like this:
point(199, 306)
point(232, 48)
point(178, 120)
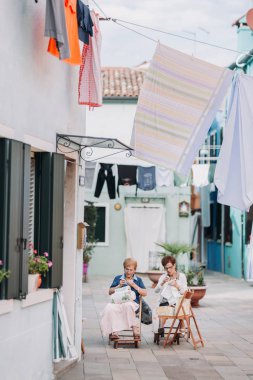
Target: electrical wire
point(179, 36)
point(119, 21)
point(133, 30)
point(101, 10)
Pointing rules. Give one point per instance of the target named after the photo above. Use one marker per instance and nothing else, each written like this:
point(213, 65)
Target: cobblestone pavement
point(225, 318)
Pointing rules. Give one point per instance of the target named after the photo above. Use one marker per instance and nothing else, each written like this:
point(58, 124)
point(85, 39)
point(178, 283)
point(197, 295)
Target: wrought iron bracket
point(87, 146)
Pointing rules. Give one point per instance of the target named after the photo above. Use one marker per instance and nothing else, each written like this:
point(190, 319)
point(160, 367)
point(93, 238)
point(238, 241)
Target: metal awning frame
point(86, 145)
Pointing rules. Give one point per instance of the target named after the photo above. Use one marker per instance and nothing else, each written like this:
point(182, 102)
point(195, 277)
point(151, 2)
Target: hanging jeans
point(105, 174)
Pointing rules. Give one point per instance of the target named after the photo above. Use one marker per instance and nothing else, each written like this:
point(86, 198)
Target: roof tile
point(121, 82)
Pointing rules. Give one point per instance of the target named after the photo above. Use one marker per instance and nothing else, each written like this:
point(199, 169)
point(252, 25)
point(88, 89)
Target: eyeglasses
point(170, 267)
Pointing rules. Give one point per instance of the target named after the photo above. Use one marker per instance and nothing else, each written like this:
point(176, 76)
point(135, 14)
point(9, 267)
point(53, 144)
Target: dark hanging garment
point(146, 178)
point(105, 175)
point(84, 22)
point(126, 175)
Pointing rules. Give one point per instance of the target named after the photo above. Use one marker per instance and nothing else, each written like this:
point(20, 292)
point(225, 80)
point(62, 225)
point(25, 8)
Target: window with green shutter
point(14, 201)
point(49, 212)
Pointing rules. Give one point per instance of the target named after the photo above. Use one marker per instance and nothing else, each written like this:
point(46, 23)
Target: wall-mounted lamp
point(81, 180)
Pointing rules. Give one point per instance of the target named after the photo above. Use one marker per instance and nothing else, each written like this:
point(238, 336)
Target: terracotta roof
point(122, 82)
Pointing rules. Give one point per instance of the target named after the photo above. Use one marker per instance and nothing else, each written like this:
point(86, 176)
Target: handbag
point(146, 313)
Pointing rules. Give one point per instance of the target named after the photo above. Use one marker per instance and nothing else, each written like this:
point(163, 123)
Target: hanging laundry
point(90, 77)
point(84, 22)
point(164, 177)
point(90, 168)
point(200, 175)
point(205, 206)
point(126, 175)
point(72, 28)
point(233, 174)
point(146, 178)
point(249, 258)
point(105, 174)
point(177, 104)
point(55, 26)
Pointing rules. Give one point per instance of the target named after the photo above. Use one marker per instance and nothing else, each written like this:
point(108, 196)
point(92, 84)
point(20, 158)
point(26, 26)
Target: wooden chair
point(126, 337)
point(183, 314)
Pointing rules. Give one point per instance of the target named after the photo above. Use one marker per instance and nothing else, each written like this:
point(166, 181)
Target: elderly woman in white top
point(171, 286)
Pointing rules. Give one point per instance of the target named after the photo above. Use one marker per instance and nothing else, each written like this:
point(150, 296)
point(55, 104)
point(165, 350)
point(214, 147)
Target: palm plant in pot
point(173, 249)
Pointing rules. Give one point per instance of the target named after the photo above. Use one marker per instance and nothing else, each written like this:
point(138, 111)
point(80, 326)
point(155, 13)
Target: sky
point(205, 20)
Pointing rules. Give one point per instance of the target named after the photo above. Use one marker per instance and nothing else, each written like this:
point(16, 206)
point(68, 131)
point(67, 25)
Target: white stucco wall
point(24, 334)
point(38, 93)
point(112, 120)
point(38, 98)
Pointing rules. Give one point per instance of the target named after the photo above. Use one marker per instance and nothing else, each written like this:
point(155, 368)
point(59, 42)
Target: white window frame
point(106, 206)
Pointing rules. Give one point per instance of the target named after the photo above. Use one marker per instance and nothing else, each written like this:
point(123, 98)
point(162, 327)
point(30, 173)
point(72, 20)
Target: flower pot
point(154, 276)
point(85, 268)
point(33, 280)
point(199, 293)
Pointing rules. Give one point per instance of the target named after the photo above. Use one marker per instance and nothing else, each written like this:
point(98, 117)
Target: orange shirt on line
point(72, 29)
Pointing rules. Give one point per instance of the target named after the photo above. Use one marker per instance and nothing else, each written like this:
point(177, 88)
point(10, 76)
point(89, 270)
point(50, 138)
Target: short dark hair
point(168, 259)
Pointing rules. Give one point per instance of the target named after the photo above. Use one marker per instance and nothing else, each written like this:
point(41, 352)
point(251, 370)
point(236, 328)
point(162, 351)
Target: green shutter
point(49, 208)
point(57, 215)
point(14, 199)
point(4, 186)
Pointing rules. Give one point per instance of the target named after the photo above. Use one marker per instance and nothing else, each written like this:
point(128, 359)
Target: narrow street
point(225, 321)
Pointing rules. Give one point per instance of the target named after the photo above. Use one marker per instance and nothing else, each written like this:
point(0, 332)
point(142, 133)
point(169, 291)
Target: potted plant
point(196, 282)
point(37, 265)
point(173, 249)
point(90, 216)
point(3, 272)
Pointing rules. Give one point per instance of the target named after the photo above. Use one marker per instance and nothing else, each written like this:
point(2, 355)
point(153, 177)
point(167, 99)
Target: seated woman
point(118, 317)
point(171, 286)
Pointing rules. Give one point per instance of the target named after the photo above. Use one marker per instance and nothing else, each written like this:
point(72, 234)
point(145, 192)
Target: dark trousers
point(105, 175)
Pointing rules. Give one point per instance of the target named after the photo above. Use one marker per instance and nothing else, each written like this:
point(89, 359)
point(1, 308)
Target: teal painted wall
point(233, 252)
point(108, 259)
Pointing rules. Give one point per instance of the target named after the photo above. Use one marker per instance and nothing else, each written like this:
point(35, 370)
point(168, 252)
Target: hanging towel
point(126, 175)
point(105, 174)
point(72, 28)
point(90, 168)
point(200, 175)
point(146, 178)
point(55, 26)
point(84, 22)
point(90, 78)
point(164, 177)
point(205, 206)
point(177, 104)
point(233, 175)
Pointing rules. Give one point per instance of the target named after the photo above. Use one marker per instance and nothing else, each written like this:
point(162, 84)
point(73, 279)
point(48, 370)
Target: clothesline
point(119, 21)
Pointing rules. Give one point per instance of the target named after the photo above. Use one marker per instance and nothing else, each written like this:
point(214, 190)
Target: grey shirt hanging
point(55, 26)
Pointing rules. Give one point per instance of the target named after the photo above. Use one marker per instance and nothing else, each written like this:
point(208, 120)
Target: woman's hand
point(130, 283)
point(122, 283)
point(167, 279)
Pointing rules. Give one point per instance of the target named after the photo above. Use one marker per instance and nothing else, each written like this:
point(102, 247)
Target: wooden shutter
point(57, 216)
point(49, 208)
point(14, 199)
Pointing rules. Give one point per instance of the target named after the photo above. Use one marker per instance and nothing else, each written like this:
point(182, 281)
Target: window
point(101, 232)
